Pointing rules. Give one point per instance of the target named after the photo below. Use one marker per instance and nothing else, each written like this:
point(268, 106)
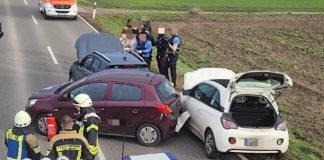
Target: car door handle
point(135, 111)
point(55, 109)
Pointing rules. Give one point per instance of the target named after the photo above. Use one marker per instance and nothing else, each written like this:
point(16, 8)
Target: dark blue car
point(101, 51)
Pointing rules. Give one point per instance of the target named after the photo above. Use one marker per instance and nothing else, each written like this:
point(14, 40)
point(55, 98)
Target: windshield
point(165, 90)
point(67, 85)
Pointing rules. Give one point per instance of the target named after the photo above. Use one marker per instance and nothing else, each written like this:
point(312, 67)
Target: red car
point(135, 103)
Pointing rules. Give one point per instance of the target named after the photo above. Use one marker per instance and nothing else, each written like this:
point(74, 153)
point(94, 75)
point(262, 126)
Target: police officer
point(1, 33)
point(69, 143)
point(87, 121)
point(173, 54)
point(144, 48)
point(21, 143)
point(162, 45)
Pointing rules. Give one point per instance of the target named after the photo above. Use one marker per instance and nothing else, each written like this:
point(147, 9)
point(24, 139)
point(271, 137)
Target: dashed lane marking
point(52, 54)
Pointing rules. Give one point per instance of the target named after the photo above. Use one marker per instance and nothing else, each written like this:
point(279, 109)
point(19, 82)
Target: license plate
point(62, 14)
point(250, 142)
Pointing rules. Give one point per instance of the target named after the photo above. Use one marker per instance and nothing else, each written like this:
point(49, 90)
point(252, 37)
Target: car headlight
point(48, 6)
point(31, 102)
point(74, 7)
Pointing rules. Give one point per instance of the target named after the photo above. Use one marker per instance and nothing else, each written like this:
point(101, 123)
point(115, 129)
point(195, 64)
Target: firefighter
point(21, 143)
point(69, 143)
point(87, 121)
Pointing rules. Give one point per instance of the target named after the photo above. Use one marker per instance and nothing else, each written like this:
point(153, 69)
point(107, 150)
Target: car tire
point(41, 124)
point(148, 135)
point(210, 145)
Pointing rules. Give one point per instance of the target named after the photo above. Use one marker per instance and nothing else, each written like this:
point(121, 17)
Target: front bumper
point(266, 140)
point(61, 12)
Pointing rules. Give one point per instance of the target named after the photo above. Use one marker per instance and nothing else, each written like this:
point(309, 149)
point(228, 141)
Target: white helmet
point(62, 158)
point(22, 119)
point(82, 100)
point(45, 158)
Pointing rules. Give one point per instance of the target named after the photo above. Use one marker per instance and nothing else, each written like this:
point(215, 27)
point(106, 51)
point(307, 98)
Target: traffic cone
point(51, 126)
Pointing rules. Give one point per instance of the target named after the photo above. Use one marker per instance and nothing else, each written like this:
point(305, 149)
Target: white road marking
point(241, 156)
point(25, 2)
point(52, 54)
point(34, 20)
point(101, 156)
point(88, 24)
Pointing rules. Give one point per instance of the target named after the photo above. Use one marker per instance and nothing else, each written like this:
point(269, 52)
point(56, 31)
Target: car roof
point(115, 58)
point(127, 75)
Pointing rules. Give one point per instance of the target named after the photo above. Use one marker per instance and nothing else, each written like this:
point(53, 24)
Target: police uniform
point(70, 144)
point(88, 127)
point(162, 57)
point(146, 48)
point(173, 58)
point(21, 144)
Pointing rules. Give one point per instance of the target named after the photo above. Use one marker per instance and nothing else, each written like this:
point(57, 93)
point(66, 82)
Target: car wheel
point(41, 124)
point(148, 135)
point(210, 145)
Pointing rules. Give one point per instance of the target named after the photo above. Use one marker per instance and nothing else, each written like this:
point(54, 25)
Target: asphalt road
point(26, 65)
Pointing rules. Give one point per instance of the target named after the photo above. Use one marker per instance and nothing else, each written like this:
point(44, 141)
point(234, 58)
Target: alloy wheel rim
point(148, 134)
point(209, 143)
point(42, 124)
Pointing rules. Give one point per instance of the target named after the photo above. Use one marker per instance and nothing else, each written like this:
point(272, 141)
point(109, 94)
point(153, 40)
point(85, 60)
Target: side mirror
point(186, 92)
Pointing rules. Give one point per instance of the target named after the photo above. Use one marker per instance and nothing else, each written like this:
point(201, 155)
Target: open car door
point(259, 80)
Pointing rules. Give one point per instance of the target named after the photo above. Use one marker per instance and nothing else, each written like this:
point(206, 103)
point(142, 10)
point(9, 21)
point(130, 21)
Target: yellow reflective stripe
point(81, 129)
point(37, 149)
point(93, 149)
point(92, 126)
point(69, 147)
point(60, 154)
point(10, 135)
point(47, 152)
point(79, 155)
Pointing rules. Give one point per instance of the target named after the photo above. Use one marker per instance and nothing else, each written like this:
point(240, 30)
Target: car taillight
point(282, 126)
point(228, 124)
point(165, 109)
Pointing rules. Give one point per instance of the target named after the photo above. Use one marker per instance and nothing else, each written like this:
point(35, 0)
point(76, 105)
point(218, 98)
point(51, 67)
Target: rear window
point(130, 66)
point(165, 90)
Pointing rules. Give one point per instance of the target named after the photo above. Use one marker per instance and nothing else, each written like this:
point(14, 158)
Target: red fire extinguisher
point(51, 126)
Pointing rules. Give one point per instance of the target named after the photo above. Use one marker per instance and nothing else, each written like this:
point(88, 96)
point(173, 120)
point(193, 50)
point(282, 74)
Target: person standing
point(87, 122)
point(144, 48)
point(69, 143)
point(19, 140)
point(129, 26)
point(1, 33)
point(162, 45)
point(173, 54)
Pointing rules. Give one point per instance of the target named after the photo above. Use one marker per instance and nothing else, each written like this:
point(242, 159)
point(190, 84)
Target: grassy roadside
point(243, 42)
point(213, 5)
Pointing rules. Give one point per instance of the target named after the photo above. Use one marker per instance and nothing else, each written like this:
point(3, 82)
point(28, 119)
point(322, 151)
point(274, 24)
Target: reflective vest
point(83, 131)
point(17, 148)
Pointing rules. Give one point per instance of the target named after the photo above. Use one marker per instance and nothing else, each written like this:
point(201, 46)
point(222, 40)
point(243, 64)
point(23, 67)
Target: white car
point(236, 112)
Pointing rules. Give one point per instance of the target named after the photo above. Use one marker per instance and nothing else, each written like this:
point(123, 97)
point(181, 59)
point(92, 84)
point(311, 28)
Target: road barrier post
point(94, 10)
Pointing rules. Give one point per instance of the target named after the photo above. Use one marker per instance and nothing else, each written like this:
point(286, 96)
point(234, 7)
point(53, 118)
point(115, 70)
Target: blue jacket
point(146, 47)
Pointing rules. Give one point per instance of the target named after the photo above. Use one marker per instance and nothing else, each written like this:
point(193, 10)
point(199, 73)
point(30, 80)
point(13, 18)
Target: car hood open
point(260, 80)
point(97, 42)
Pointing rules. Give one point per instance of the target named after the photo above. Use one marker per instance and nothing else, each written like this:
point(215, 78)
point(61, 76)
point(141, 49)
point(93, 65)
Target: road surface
point(36, 53)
